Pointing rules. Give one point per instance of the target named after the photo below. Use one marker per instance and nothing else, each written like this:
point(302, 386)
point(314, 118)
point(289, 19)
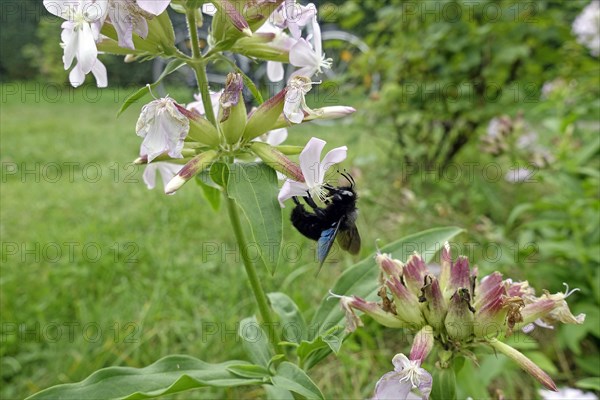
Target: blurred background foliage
point(486, 116)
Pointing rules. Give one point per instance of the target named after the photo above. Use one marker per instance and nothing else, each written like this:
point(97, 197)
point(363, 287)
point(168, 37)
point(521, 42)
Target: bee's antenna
point(348, 177)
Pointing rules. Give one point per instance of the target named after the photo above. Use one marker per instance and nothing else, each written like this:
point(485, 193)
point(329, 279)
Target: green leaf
point(490, 368)
point(311, 352)
point(211, 191)
point(255, 341)
point(219, 174)
point(250, 371)
point(254, 188)
point(589, 383)
point(171, 374)
point(275, 393)
point(171, 67)
point(444, 384)
point(293, 327)
point(292, 378)
point(167, 38)
point(362, 278)
point(516, 213)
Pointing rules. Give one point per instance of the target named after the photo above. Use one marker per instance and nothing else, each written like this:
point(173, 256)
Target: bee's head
point(343, 194)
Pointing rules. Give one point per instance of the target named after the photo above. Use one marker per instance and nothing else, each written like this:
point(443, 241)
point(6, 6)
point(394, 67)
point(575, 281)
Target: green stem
point(199, 66)
point(259, 293)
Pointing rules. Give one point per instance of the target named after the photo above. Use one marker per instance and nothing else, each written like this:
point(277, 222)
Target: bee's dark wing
point(349, 239)
point(325, 242)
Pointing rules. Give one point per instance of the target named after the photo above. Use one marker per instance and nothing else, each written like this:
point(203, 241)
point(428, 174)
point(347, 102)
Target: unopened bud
point(388, 265)
point(459, 320)
point(191, 169)
point(422, 344)
point(265, 116)
point(234, 17)
point(232, 113)
point(201, 130)
point(277, 160)
point(529, 366)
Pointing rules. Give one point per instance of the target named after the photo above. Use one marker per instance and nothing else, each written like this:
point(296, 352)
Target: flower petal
point(289, 189)
point(85, 47)
point(310, 160)
point(275, 71)
point(317, 37)
point(292, 108)
point(99, 72)
point(76, 76)
point(163, 128)
point(155, 7)
point(334, 156)
point(277, 136)
point(303, 55)
point(389, 387)
point(167, 171)
point(69, 39)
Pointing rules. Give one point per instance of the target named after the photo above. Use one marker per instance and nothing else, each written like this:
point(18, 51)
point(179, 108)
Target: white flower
point(77, 74)
point(79, 35)
point(587, 27)
point(163, 128)
point(406, 376)
point(295, 103)
point(293, 16)
point(309, 58)
point(567, 394)
point(167, 171)
point(313, 170)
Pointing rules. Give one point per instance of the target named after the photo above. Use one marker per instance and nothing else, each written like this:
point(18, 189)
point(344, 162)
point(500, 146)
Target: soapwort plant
point(235, 155)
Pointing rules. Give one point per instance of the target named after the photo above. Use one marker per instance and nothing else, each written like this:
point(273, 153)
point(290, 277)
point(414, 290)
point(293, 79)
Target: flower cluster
point(175, 135)
point(81, 30)
point(456, 310)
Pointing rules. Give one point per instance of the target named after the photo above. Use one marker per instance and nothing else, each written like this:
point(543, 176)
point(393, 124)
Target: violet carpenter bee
point(334, 221)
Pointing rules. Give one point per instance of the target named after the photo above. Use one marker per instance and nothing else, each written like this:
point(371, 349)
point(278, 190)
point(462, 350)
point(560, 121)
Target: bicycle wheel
point(350, 68)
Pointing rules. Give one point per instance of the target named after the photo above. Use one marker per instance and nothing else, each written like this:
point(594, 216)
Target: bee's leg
point(317, 210)
point(300, 207)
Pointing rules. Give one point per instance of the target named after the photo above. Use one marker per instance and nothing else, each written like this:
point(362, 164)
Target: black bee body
point(334, 221)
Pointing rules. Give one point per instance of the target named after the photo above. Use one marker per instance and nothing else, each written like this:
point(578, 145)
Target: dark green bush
point(448, 67)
